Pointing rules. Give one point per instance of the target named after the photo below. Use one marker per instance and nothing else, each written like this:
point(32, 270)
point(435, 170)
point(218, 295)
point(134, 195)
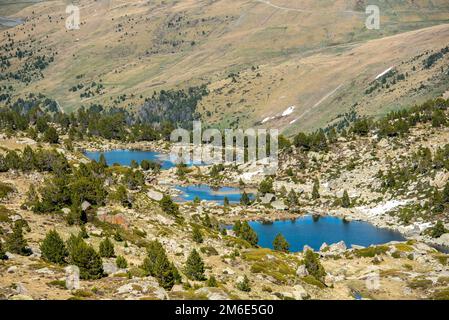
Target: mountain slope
point(298, 54)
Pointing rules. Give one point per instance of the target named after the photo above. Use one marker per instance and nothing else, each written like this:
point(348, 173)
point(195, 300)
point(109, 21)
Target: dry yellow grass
point(315, 55)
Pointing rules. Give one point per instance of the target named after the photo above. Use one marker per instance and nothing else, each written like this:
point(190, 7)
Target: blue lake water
point(124, 157)
point(205, 192)
point(314, 231)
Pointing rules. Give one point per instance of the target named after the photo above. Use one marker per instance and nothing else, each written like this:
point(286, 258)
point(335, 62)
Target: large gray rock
point(85, 205)
point(279, 205)
point(109, 267)
point(72, 277)
point(444, 239)
point(267, 198)
point(12, 269)
point(20, 288)
point(337, 247)
point(155, 195)
point(302, 271)
point(299, 293)
point(213, 293)
point(140, 287)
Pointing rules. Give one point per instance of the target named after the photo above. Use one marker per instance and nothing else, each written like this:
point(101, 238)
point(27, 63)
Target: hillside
point(257, 58)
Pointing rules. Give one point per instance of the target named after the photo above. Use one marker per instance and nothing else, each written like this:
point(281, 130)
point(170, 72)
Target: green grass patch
point(4, 214)
point(60, 284)
point(5, 190)
point(371, 252)
point(441, 294)
point(404, 247)
point(266, 262)
point(422, 284)
point(313, 281)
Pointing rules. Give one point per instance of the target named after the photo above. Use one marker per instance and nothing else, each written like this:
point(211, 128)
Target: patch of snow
point(384, 73)
point(288, 111)
point(293, 121)
point(383, 208)
point(266, 119)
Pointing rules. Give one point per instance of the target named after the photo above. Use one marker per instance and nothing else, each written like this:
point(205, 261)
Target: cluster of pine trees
point(244, 231)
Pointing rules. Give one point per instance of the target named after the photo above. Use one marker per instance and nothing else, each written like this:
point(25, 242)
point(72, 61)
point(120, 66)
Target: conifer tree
point(2, 252)
point(169, 206)
point(244, 285)
point(16, 243)
point(121, 262)
point(53, 248)
point(446, 193)
point(212, 282)
point(316, 189)
point(280, 243)
point(345, 201)
point(197, 235)
point(313, 265)
point(157, 265)
point(248, 234)
point(195, 266)
point(107, 249)
point(102, 161)
point(226, 201)
point(266, 186)
point(86, 258)
point(237, 227)
point(245, 200)
point(51, 135)
point(292, 199)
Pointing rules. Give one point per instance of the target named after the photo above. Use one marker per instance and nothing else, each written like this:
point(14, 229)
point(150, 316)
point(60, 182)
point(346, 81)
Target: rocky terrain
point(412, 269)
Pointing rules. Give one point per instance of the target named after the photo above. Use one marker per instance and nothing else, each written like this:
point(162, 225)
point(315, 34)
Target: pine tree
point(283, 191)
point(266, 186)
point(121, 262)
point(86, 258)
point(345, 201)
point(245, 200)
point(316, 189)
point(53, 248)
point(314, 266)
point(51, 135)
point(237, 228)
point(248, 234)
point(169, 206)
point(280, 244)
point(107, 249)
point(154, 250)
point(446, 193)
point(196, 234)
point(134, 164)
point(2, 252)
point(16, 243)
point(206, 221)
point(145, 165)
point(164, 272)
point(156, 264)
point(211, 282)
point(195, 266)
point(226, 201)
point(292, 199)
point(244, 285)
point(438, 230)
point(102, 161)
